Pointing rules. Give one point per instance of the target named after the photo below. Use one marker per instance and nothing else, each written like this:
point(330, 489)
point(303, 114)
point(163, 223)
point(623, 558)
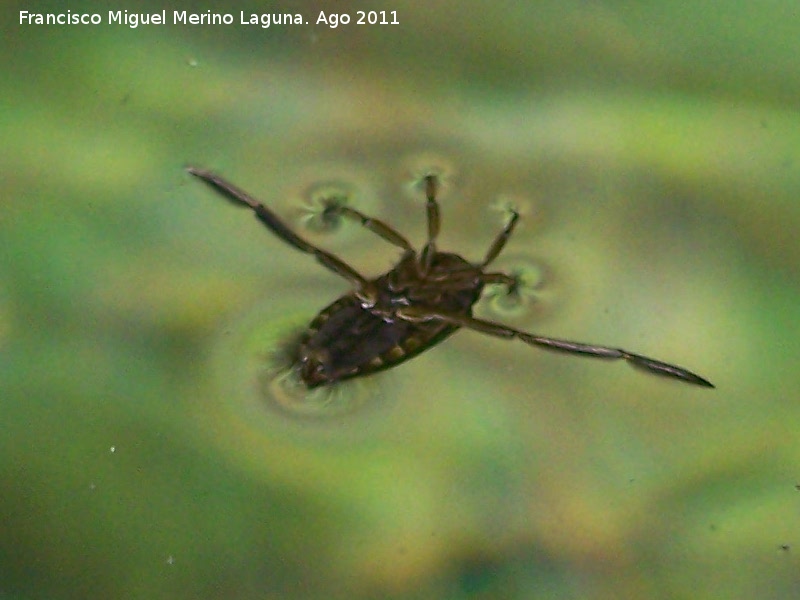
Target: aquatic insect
point(425, 298)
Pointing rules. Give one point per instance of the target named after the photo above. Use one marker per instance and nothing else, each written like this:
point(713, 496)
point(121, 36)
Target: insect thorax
point(451, 283)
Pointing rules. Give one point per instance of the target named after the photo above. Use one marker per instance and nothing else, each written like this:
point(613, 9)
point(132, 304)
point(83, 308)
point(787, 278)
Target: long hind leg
point(649, 364)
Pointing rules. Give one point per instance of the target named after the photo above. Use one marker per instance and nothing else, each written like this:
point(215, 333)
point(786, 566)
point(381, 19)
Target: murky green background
point(653, 149)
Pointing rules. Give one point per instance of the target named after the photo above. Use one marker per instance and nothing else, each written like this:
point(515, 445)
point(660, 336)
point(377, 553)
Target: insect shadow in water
point(424, 299)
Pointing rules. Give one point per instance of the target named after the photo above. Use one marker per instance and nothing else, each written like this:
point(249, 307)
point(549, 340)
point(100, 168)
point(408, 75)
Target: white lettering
point(68, 18)
point(333, 20)
point(267, 19)
point(207, 18)
point(133, 20)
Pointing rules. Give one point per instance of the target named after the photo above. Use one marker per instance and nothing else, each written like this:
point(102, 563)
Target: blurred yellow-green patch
point(147, 449)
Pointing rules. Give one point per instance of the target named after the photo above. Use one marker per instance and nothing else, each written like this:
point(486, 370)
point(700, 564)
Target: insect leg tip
point(431, 185)
point(697, 380)
point(196, 171)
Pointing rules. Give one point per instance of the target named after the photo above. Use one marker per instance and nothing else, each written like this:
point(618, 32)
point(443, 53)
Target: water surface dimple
point(319, 204)
point(255, 367)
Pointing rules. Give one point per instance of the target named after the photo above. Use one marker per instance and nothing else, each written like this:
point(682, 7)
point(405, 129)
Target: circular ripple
point(517, 299)
point(256, 370)
point(319, 207)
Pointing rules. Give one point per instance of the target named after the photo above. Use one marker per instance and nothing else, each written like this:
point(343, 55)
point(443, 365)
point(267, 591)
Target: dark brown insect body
point(346, 339)
point(426, 297)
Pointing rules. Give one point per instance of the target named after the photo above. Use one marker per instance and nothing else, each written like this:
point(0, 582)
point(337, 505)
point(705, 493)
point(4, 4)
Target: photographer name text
point(182, 17)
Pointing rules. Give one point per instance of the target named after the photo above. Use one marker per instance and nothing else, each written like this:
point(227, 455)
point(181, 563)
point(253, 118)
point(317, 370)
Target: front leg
point(278, 227)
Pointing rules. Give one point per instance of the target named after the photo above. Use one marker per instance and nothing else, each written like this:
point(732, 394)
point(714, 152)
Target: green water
point(653, 154)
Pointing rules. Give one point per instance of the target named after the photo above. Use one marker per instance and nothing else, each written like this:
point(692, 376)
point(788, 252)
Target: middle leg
point(376, 226)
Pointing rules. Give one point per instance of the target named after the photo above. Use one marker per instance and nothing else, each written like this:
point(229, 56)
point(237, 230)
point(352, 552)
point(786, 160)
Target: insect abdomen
point(346, 340)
